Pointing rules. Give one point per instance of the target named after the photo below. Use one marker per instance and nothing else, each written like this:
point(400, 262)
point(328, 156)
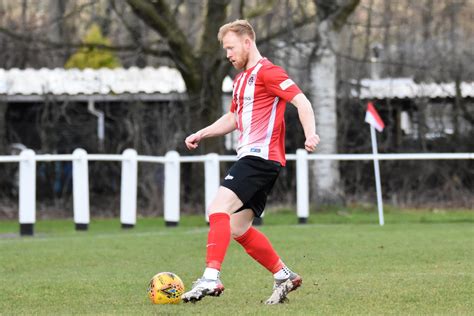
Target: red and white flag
point(373, 118)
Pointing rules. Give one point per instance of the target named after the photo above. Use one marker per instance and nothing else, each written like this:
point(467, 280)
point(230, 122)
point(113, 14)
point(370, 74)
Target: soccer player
point(259, 97)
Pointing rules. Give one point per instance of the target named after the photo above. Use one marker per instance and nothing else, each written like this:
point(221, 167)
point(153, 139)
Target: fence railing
point(172, 161)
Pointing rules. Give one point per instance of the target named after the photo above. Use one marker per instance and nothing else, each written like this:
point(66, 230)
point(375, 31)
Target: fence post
point(27, 195)
point(172, 188)
point(80, 181)
point(128, 192)
point(212, 178)
point(302, 187)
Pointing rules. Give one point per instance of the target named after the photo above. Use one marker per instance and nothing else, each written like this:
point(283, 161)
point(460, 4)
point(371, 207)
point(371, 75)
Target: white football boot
point(281, 288)
point(203, 287)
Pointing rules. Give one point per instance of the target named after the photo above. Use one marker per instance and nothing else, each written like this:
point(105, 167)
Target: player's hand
point(311, 143)
point(192, 141)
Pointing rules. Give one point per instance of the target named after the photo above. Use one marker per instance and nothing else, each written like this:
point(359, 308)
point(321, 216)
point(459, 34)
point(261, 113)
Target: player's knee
point(237, 231)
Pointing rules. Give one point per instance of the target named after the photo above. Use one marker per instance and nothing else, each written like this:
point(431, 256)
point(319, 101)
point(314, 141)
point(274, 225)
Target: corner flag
point(376, 123)
point(373, 118)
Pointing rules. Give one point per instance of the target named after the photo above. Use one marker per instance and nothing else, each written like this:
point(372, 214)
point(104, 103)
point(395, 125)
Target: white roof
point(61, 81)
point(163, 80)
point(402, 88)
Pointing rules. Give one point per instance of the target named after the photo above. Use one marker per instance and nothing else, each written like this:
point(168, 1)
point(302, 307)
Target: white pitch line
point(81, 235)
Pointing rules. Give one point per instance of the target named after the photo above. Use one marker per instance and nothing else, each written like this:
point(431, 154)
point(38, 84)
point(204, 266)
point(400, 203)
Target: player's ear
point(247, 42)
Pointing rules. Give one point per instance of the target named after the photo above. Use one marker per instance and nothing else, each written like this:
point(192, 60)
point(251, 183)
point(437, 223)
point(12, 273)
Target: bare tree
point(331, 18)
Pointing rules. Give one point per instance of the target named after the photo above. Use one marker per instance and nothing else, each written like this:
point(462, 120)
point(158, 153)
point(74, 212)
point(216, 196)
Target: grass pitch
point(418, 263)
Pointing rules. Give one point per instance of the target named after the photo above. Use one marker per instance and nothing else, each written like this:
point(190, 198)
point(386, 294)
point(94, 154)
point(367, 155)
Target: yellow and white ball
point(165, 288)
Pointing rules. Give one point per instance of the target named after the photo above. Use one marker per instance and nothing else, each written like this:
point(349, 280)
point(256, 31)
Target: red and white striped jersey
point(258, 102)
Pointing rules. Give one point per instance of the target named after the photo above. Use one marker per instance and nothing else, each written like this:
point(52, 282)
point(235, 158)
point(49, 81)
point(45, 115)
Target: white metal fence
point(172, 160)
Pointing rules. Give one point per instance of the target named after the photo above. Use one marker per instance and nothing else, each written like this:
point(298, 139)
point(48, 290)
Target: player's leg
point(218, 240)
point(219, 234)
point(255, 243)
point(241, 221)
point(259, 247)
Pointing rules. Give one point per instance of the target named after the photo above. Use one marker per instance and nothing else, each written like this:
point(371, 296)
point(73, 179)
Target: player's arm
point(306, 116)
point(222, 126)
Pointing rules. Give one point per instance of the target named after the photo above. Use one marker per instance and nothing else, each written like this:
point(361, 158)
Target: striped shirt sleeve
point(277, 82)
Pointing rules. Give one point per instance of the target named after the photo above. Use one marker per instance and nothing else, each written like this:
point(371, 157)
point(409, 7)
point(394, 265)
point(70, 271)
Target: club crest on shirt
point(251, 80)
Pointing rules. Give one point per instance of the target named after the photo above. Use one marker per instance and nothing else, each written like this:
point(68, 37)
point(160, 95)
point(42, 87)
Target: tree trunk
point(24, 49)
point(326, 186)
point(205, 102)
point(59, 30)
point(204, 107)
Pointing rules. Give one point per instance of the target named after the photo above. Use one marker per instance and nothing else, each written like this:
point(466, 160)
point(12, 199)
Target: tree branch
point(158, 16)
point(215, 17)
point(176, 9)
point(296, 24)
point(334, 12)
point(59, 45)
point(133, 32)
point(343, 13)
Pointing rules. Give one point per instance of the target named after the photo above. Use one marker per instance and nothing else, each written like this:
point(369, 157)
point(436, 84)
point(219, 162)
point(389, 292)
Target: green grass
point(418, 263)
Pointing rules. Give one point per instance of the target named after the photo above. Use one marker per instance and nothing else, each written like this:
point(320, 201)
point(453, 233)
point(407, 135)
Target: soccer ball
point(165, 288)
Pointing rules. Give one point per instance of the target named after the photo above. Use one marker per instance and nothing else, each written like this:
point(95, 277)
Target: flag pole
point(377, 175)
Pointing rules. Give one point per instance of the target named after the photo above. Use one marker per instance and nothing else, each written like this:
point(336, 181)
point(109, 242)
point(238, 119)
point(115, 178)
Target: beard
point(238, 65)
point(241, 64)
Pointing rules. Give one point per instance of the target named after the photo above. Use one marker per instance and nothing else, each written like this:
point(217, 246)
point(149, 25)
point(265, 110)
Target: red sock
point(218, 239)
point(258, 246)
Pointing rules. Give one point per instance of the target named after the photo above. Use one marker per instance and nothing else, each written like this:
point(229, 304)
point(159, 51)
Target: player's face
point(237, 49)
